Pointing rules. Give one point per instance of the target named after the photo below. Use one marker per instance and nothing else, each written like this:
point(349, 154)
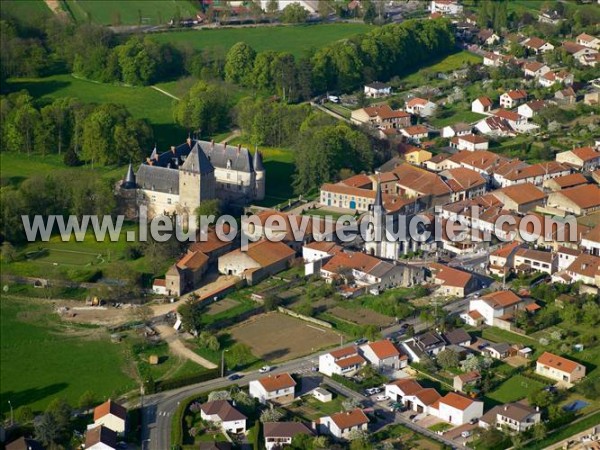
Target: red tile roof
point(585, 196)
point(450, 276)
point(349, 419)
point(276, 382)
point(343, 352)
point(517, 94)
point(428, 396)
point(557, 362)
point(384, 349)
point(456, 401)
point(521, 194)
point(502, 299)
point(110, 407)
point(407, 385)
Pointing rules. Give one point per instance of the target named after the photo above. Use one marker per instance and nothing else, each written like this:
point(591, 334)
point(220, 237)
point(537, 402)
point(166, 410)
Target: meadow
point(30, 12)
point(297, 39)
point(444, 65)
point(515, 388)
point(42, 359)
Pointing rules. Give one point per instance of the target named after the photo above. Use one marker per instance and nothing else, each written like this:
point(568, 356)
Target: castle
point(177, 181)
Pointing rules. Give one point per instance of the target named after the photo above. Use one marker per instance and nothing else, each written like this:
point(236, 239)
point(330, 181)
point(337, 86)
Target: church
point(175, 182)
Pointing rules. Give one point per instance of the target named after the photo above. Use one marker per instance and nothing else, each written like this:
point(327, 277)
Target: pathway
point(169, 335)
point(235, 133)
point(162, 91)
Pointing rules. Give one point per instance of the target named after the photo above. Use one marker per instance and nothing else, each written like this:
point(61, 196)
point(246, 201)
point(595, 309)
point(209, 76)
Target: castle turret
point(129, 181)
point(259, 176)
point(196, 181)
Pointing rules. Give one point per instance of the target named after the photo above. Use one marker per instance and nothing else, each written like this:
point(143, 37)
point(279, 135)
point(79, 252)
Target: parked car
point(466, 434)
point(234, 376)
point(381, 398)
point(265, 369)
point(372, 391)
point(360, 341)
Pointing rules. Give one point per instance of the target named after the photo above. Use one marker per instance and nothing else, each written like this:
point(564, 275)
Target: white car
point(264, 369)
point(381, 398)
point(466, 434)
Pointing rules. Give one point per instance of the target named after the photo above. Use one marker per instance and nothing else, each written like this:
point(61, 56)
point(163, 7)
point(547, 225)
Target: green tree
point(86, 400)
point(540, 431)
point(448, 358)
point(209, 340)
point(204, 108)
point(294, 13)
point(60, 409)
point(239, 64)
point(47, 430)
point(9, 254)
point(24, 414)
point(208, 208)
point(239, 355)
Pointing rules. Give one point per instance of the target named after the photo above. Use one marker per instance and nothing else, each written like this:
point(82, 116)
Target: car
point(466, 434)
point(482, 346)
point(360, 341)
point(381, 398)
point(373, 390)
point(234, 376)
point(404, 326)
point(314, 369)
point(265, 369)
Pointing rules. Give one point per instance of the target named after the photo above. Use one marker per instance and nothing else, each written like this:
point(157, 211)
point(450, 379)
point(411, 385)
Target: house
point(466, 381)
point(487, 37)
point(377, 90)
point(482, 105)
point(458, 129)
point(457, 409)
point(590, 242)
point(417, 156)
point(319, 250)
point(111, 415)
point(221, 412)
point(491, 306)
point(420, 107)
point(585, 268)
point(384, 354)
point(415, 133)
point(458, 336)
point(262, 258)
point(517, 172)
point(566, 256)
point(277, 388)
point(498, 351)
point(584, 55)
point(340, 425)
point(159, 286)
point(215, 445)
point(453, 282)
point(521, 197)
point(512, 99)
point(344, 361)
point(400, 389)
point(565, 96)
point(529, 260)
point(465, 183)
point(423, 401)
point(280, 434)
point(583, 158)
point(502, 259)
point(535, 69)
point(312, 6)
point(516, 417)
point(446, 7)
point(551, 78)
point(558, 368)
point(437, 162)
point(578, 200)
point(429, 343)
point(495, 126)
point(537, 45)
point(551, 17)
point(565, 182)
point(186, 274)
point(322, 394)
point(591, 98)
point(380, 116)
point(588, 41)
point(514, 119)
point(470, 142)
point(24, 443)
point(531, 109)
point(100, 438)
point(494, 59)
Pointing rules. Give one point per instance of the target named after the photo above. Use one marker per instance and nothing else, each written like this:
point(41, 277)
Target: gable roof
point(535, 255)
point(344, 352)
point(428, 396)
point(501, 299)
point(99, 434)
point(456, 401)
point(516, 94)
point(558, 362)
point(450, 276)
point(534, 42)
point(383, 349)
point(469, 376)
point(584, 196)
point(522, 193)
point(276, 382)
point(586, 265)
point(110, 407)
point(416, 101)
point(570, 180)
point(349, 419)
point(457, 336)
point(485, 101)
point(586, 153)
point(505, 250)
point(408, 386)
point(223, 410)
point(284, 429)
point(266, 252)
point(192, 260)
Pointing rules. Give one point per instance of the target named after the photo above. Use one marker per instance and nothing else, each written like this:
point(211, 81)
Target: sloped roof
point(584, 196)
point(223, 410)
point(571, 180)
point(522, 193)
point(384, 349)
point(557, 362)
point(110, 407)
point(450, 276)
point(276, 382)
point(284, 429)
point(266, 253)
point(428, 396)
point(197, 162)
point(349, 419)
point(156, 178)
point(501, 299)
point(408, 386)
point(99, 434)
point(456, 401)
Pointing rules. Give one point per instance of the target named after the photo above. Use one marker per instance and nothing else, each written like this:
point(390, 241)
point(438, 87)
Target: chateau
point(178, 180)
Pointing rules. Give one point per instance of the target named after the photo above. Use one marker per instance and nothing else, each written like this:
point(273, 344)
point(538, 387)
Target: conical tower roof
point(129, 181)
point(258, 162)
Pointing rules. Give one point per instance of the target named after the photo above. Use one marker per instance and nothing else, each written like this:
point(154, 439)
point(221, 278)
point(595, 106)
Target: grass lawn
point(323, 213)
point(498, 335)
point(169, 365)
point(151, 12)
point(564, 433)
point(60, 362)
point(142, 102)
point(29, 12)
point(295, 39)
point(447, 64)
point(311, 409)
point(455, 116)
point(515, 388)
point(339, 109)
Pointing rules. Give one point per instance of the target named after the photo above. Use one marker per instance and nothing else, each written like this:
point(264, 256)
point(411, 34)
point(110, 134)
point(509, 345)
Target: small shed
point(153, 360)
point(525, 352)
point(323, 395)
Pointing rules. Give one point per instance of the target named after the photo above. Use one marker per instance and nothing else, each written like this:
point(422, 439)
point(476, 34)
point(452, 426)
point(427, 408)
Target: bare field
point(277, 337)
point(361, 316)
point(221, 306)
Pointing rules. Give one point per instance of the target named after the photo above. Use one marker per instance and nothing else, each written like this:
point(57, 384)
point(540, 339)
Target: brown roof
point(276, 382)
point(325, 246)
point(536, 255)
point(450, 276)
point(585, 37)
point(571, 180)
point(349, 419)
point(517, 94)
point(428, 396)
point(265, 252)
point(514, 411)
point(192, 260)
point(284, 429)
point(473, 138)
point(584, 196)
point(593, 234)
point(501, 299)
point(350, 361)
point(361, 181)
point(461, 178)
point(351, 260)
point(209, 242)
point(485, 101)
point(416, 101)
point(508, 115)
point(586, 265)
point(384, 349)
point(505, 250)
point(534, 42)
point(223, 410)
point(475, 315)
point(159, 282)
point(522, 193)
point(480, 159)
point(420, 180)
point(343, 352)
point(573, 47)
point(456, 401)
point(469, 376)
point(100, 434)
point(533, 66)
point(110, 407)
point(408, 386)
point(557, 362)
point(416, 129)
point(586, 153)
point(24, 444)
point(537, 105)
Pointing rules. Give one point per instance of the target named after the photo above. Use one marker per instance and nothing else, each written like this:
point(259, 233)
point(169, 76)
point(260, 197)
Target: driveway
point(170, 336)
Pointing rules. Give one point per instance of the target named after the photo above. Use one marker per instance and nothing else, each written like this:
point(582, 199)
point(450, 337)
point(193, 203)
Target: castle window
point(228, 164)
point(169, 200)
point(228, 174)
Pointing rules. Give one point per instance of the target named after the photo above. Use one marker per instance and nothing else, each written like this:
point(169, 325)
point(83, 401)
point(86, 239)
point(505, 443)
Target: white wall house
point(384, 354)
point(341, 424)
point(345, 361)
point(458, 410)
point(558, 368)
point(492, 305)
point(111, 415)
point(278, 388)
point(221, 412)
point(482, 105)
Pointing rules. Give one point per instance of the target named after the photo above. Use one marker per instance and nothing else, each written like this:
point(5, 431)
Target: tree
point(541, 398)
point(294, 13)
point(47, 430)
point(60, 409)
point(239, 64)
point(271, 302)
point(219, 395)
point(204, 108)
point(540, 431)
point(491, 438)
point(448, 358)
point(9, 254)
point(239, 354)
point(87, 400)
point(591, 313)
point(208, 208)
point(24, 414)
point(208, 340)
point(242, 398)
point(350, 404)
point(370, 13)
point(271, 415)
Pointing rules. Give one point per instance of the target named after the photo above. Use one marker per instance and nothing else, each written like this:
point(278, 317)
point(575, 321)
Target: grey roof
point(457, 336)
point(223, 409)
point(429, 338)
point(514, 411)
point(502, 347)
point(377, 85)
point(380, 269)
point(197, 162)
point(378, 199)
point(160, 179)
point(258, 163)
point(285, 429)
point(129, 181)
point(220, 154)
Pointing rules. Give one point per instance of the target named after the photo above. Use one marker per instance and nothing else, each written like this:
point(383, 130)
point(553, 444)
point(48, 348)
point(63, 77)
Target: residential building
point(592, 98)
point(423, 401)
point(558, 368)
point(446, 7)
point(488, 37)
point(341, 424)
point(24, 443)
point(111, 415)
point(516, 417)
point(344, 361)
point(159, 286)
point(498, 350)
point(383, 354)
point(514, 119)
point(491, 306)
point(495, 126)
point(280, 434)
point(428, 343)
point(470, 142)
point(502, 259)
point(566, 256)
point(482, 105)
point(583, 158)
point(585, 268)
point(529, 260)
point(531, 109)
point(517, 172)
point(590, 241)
point(535, 69)
point(466, 381)
point(458, 336)
point(457, 409)
point(551, 78)
point(565, 182)
point(453, 282)
point(312, 6)
point(494, 59)
point(278, 388)
point(381, 116)
point(521, 197)
point(261, 259)
point(584, 55)
point(415, 133)
point(319, 251)
point(588, 41)
point(551, 17)
point(400, 389)
point(377, 90)
point(465, 183)
point(417, 156)
point(458, 129)
point(537, 45)
point(512, 99)
point(186, 274)
point(565, 96)
point(578, 200)
point(420, 107)
point(221, 412)
point(100, 438)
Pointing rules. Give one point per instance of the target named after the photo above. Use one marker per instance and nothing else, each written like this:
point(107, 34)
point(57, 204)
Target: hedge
point(174, 383)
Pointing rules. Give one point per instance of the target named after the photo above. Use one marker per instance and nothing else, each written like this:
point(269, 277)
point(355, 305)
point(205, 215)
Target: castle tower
point(259, 176)
point(196, 182)
point(129, 180)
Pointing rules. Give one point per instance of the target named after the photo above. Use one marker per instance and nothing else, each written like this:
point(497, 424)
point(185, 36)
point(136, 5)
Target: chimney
point(173, 149)
point(189, 141)
point(212, 144)
point(239, 149)
point(505, 407)
point(537, 408)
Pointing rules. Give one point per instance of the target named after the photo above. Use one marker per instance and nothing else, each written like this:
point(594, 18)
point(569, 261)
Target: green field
point(455, 116)
point(447, 64)
point(515, 388)
point(294, 39)
point(142, 102)
point(41, 359)
point(128, 12)
point(29, 12)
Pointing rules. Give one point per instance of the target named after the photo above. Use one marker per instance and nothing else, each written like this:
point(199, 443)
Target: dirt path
point(235, 133)
point(177, 347)
point(162, 91)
